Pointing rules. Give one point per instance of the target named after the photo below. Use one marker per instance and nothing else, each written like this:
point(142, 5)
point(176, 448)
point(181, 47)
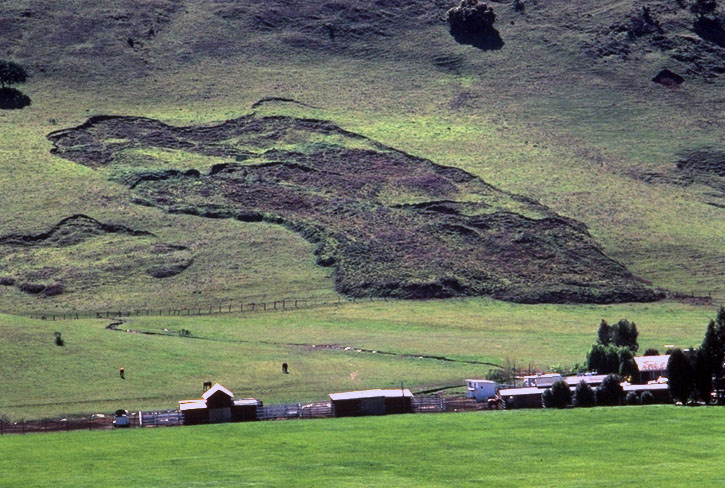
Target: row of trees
point(694, 374)
point(609, 393)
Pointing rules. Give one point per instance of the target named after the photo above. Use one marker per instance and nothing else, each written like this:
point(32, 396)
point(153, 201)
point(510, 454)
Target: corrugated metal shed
point(358, 395)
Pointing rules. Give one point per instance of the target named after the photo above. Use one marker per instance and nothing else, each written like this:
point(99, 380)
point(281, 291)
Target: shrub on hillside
point(610, 392)
point(53, 290)
point(558, 396)
point(651, 352)
point(32, 288)
point(584, 395)
point(470, 18)
point(7, 281)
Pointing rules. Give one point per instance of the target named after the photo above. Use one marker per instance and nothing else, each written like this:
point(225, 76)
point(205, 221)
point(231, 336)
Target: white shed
point(481, 390)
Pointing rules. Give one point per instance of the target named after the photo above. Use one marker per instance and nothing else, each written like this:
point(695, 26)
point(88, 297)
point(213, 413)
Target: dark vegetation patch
point(710, 30)
point(170, 269)
point(13, 99)
point(69, 231)
point(471, 22)
point(7, 281)
point(693, 41)
point(267, 100)
point(668, 78)
point(31, 288)
point(703, 166)
point(390, 224)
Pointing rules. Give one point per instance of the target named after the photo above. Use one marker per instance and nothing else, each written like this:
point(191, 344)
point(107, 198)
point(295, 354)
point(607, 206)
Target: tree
point(624, 334)
point(703, 375)
point(558, 396)
point(651, 351)
point(604, 334)
point(610, 392)
point(471, 17)
point(627, 365)
point(11, 73)
point(680, 376)
point(584, 395)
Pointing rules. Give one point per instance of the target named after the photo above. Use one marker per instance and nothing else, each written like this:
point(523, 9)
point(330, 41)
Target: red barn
point(372, 402)
point(218, 405)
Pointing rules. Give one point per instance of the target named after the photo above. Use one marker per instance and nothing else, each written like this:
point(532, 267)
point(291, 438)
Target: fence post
point(23, 424)
point(284, 304)
point(230, 307)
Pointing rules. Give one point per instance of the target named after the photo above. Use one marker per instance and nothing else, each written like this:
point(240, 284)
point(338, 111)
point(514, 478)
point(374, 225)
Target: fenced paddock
point(285, 411)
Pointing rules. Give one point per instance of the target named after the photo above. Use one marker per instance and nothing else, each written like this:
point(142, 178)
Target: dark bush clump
point(472, 23)
point(610, 392)
point(7, 281)
point(651, 352)
point(632, 399)
point(584, 395)
point(558, 396)
point(32, 288)
point(471, 17)
point(647, 398)
point(53, 290)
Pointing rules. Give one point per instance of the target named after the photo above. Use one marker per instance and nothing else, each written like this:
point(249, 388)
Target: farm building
point(481, 390)
point(540, 380)
point(592, 380)
point(522, 397)
point(652, 367)
point(371, 402)
point(218, 405)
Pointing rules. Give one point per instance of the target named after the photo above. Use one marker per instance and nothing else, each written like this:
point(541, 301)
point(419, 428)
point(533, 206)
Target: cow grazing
point(207, 385)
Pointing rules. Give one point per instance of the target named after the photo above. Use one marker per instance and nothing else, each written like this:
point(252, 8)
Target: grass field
point(641, 447)
point(245, 353)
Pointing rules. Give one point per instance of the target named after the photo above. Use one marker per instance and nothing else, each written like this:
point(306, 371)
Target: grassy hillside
point(572, 448)
point(352, 346)
point(549, 116)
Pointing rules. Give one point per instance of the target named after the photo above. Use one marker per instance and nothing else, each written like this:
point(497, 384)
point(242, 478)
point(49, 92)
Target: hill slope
point(564, 113)
point(390, 223)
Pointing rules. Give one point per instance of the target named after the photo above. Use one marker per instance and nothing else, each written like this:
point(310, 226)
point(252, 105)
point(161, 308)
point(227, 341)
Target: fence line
point(220, 308)
point(170, 418)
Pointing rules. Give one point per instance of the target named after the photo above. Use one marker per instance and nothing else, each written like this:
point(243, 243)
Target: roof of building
point(243, 402)
point(355, 395)
point(217, 387)
point(590, 379)
point(652, 387)
point(520, 391)
point(652, 363)
point(480, 381)
point(192, 404)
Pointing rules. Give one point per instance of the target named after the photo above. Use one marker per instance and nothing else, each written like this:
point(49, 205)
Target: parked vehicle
point(121, 419)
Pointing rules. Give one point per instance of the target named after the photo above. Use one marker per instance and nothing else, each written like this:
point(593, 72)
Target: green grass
point(622, 446)
point(245, 353)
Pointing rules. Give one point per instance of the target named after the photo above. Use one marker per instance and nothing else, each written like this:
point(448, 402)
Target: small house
point(218, 405)
point(372, 402)
point(652, 367)
point(481, 390)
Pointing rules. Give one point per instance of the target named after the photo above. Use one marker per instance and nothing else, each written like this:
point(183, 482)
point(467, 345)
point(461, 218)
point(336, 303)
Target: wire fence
point(240, 306)
point(171, 418)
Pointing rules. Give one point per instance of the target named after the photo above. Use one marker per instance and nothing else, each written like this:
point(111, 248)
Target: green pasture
point(245, 352)
point(650, 446)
